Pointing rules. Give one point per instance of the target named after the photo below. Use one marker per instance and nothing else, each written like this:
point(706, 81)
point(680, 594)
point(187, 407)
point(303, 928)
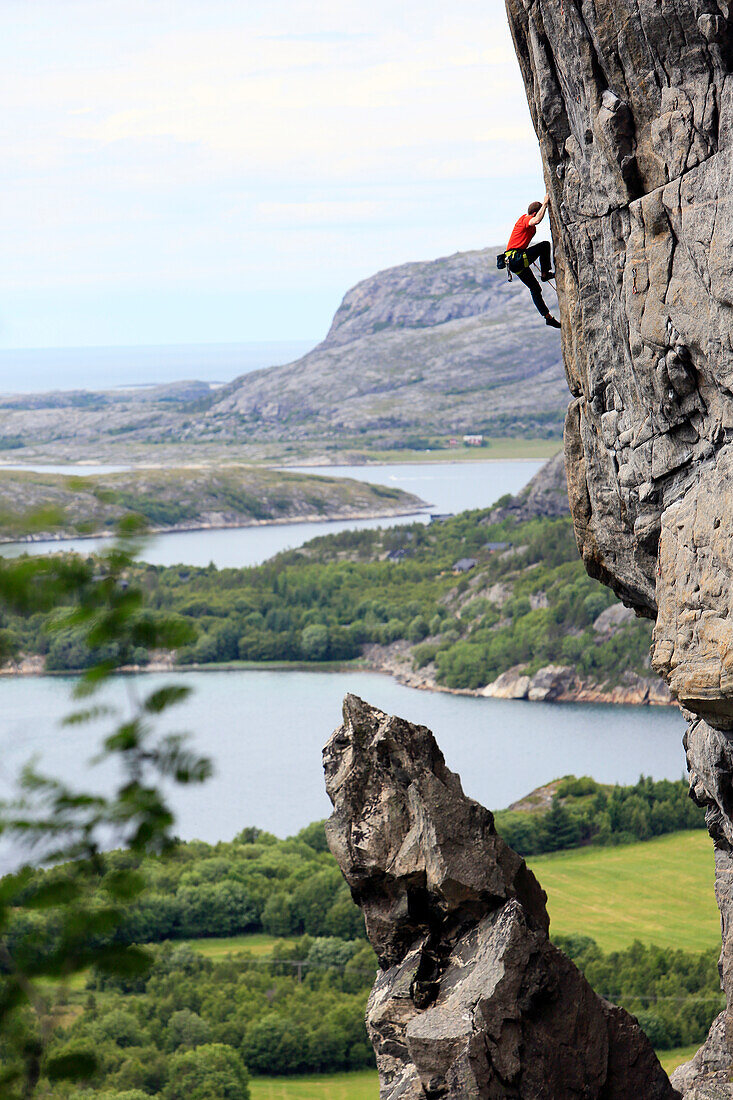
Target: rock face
point(633, 106)
point(472, 1000)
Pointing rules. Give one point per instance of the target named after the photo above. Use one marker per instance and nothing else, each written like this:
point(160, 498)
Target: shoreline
point(437, 461)
point(183, 528)
point(552, 684)
point(584, 693)
point(320, 461)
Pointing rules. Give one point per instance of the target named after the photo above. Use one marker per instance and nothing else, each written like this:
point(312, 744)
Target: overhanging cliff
point(633, 107)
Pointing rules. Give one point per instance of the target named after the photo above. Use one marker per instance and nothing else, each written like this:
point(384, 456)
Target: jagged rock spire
point(472, 1000)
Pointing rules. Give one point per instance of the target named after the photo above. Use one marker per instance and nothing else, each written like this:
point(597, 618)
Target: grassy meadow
point(496, 448)
point(658, 891)
point(339, 1086)
point(258, 944)
point(365, 1086)
point(671, 1059)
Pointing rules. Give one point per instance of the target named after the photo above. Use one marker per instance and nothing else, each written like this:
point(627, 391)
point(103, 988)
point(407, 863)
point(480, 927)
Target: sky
point(205, 171)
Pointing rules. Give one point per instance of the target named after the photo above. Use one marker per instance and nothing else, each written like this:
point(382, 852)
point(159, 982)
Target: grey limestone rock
point(633, 107)
point(472, 1001)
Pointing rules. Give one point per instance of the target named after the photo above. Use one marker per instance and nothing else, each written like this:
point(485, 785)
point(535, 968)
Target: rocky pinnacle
point(472, 1001)
point(633, 107)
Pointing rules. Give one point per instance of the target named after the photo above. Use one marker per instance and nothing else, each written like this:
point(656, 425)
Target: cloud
point(176, 142)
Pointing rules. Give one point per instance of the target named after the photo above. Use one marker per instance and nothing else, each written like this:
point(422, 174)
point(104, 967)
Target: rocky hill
point(545, 496)
point(414, 355)
point(432, 348)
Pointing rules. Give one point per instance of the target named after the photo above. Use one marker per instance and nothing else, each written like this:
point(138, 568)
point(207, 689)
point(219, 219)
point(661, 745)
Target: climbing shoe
point(547, 275)
point(550, 320)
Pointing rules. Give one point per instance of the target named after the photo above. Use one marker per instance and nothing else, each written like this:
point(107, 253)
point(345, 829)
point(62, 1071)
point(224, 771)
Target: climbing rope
point(551, 283)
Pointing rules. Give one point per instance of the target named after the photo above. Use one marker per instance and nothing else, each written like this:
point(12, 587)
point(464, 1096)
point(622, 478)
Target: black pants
point(542, 252)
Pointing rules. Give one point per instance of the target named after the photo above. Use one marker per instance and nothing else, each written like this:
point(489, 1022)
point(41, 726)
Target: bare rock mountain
point(472, 1001)
point(425, 350)
point(446, 346)
point(633, 106)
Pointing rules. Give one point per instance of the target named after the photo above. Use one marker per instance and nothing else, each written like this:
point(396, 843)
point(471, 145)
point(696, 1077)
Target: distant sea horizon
point(38, 370)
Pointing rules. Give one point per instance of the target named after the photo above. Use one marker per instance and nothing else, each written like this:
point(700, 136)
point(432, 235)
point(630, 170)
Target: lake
point(446, 486)
point(265, 731)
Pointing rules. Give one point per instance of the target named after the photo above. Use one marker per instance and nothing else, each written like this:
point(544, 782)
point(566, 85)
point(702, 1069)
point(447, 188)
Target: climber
point(519, 256)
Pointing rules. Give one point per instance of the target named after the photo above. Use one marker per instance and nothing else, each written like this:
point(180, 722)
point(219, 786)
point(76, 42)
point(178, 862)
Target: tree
point(314, 642)
point(560, 828)
point(312, 900)
point(418, 629)
point(277, 916)
point(274, 1044)
point(210, 1072)
point(187, 1029)
point(215, 910)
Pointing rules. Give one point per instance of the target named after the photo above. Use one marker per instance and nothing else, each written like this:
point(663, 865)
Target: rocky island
point(37, 506)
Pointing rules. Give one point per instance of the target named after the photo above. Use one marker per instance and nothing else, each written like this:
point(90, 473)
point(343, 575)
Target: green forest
point(586, 812)
point(527, 601)
point(192, 1025)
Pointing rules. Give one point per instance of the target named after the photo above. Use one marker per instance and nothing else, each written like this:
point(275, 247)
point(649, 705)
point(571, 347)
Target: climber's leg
point(543, 253)
point(527, 277)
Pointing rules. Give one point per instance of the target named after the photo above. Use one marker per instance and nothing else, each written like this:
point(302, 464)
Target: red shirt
point(522, 234)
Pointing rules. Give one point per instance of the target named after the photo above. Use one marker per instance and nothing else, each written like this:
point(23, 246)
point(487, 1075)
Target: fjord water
point(445, 486)
point(265, 731)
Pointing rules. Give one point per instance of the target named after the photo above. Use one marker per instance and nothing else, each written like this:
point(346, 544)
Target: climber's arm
point(541, 212)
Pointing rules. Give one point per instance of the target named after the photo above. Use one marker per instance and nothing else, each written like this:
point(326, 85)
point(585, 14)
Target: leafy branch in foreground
point(69, 829)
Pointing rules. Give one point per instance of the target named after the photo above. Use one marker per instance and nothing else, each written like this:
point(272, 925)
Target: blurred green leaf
point(74, 1065)
point(124, 885)
point(165, 697)
point(50, 894)
point(124, 962)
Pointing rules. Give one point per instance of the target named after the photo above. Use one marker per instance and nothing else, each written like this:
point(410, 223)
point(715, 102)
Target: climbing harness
point(506, 259)
point(512, 262)
point(517, 258)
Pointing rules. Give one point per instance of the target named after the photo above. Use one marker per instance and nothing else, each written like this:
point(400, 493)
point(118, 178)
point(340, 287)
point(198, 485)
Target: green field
point(365, 1086)
point(340, 1086)
point(256, 943)
point(659, 891)
point(671, 1059)
point(500, 447)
